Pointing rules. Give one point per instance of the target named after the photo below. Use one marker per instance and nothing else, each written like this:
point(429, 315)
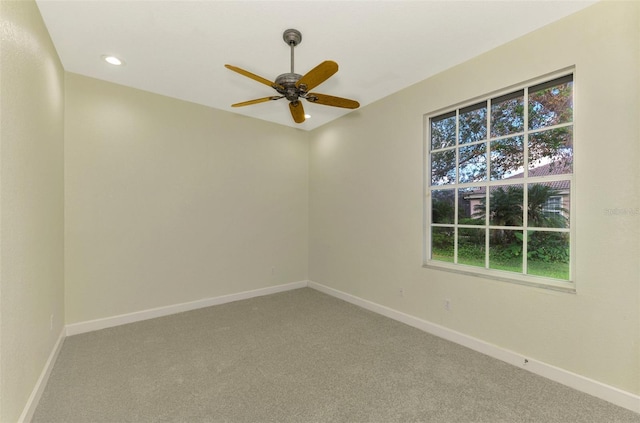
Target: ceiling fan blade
point(253, 76)
point(256, 101)
point(318, 75)
point(297, 111)
point(329, 100)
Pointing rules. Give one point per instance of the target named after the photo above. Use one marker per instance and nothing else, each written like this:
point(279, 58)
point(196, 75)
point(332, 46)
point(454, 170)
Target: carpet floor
point(297, 356)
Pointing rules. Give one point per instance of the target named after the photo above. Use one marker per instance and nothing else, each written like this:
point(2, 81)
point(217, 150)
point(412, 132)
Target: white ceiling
point(179, 48)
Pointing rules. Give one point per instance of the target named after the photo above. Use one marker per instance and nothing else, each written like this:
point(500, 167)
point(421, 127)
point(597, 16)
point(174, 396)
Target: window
point(553, 205)
point(498, 179)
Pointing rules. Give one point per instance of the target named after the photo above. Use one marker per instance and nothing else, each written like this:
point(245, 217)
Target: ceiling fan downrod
point(286, 83)
point(292, 37)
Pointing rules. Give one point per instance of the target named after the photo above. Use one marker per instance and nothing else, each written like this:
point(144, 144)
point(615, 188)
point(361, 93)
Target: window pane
point(551, 103)
point(442, 243)
point(471, 205)
point(443, 167)
point(505, 205)
point(473, 123)
point(471, 246)
point(442, 206)
point(473, 163)
point(549, 204)
point(548, 254)
point(443, 131)
point(551, 152)
point(507, 114)
point(505, 250)
point(507, 158)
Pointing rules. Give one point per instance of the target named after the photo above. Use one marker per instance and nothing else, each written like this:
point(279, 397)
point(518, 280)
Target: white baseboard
point(38, 389)
point(122, 319)
point(592, 387)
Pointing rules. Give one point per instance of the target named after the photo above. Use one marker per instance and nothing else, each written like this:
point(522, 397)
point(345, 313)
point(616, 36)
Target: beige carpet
point(298, 356)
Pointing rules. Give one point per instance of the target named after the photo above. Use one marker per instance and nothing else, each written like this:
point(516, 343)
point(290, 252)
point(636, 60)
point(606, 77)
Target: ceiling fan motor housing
point(288, 83)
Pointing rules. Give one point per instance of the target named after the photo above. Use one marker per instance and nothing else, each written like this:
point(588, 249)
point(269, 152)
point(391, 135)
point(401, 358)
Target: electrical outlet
point(401, 292)
point(51, 322)
point(273, 271)
point(447, 305)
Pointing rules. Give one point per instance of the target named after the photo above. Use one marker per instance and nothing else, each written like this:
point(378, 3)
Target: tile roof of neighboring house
point(553, 168)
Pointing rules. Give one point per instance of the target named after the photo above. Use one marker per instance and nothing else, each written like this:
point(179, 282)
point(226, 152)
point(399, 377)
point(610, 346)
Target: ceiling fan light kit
point(293, 86)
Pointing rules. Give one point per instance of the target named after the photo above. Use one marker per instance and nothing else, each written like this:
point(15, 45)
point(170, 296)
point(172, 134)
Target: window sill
point(498, 275)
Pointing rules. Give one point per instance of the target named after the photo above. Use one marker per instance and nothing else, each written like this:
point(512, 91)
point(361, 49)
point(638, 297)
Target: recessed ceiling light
point(113, 60)
point(307, 116)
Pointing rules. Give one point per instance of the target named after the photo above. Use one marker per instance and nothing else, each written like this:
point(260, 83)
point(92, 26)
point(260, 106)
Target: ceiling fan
point(293, 86)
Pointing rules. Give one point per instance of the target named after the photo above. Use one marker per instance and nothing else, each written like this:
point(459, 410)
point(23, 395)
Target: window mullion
point(487, 209)
point(455, 190)
point(525, 188)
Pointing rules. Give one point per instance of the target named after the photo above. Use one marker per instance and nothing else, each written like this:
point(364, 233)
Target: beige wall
point(32, 194)
point(366, 203)
point(168, 202)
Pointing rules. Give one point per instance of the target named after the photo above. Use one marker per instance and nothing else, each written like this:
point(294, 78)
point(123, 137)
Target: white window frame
point(494, 274)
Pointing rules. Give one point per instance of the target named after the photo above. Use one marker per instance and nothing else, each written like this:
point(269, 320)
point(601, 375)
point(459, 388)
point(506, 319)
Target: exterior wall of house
point(366, 203)
point(31, 203)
